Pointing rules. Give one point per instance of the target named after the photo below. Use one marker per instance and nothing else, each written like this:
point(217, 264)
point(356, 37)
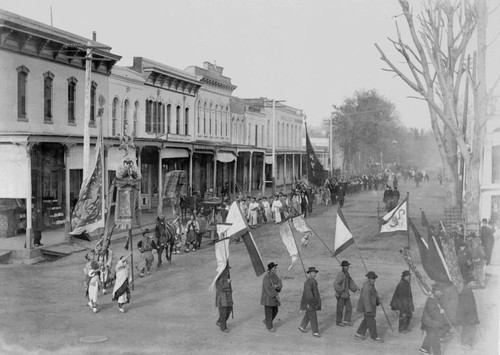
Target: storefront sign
point(178, 138)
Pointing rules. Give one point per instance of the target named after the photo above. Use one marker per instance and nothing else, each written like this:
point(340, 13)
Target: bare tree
point(437, 62)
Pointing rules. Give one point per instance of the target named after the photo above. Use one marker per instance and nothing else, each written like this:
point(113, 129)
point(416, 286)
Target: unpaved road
point(43, 309)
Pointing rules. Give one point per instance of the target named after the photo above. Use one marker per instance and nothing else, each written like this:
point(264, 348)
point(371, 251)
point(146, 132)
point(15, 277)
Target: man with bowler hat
point(271, 287)
point(342, 285)
point(402, 301)
point(310, 302)
point(367, 304)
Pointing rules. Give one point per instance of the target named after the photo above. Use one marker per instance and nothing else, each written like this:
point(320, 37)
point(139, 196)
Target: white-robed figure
point(253, 208)
point(121, 290)
point(94, 280)
point(277, 206)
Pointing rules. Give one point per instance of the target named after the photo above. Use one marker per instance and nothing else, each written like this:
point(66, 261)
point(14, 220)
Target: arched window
point(216, 120)
point(198, 120)
point(177, 119)
point(186, 121)
point(210, 120)
point(22, 82)
point(169, 118)
point(71, 99)
point(125, 117)
point(205, 119)
point(48, 79)
point(161, 117)
point(149, 109)
point(136, 112)
point(114, 117)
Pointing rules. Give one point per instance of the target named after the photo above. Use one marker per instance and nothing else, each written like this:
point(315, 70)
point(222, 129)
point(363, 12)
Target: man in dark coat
point(271, 287)
point(310, 303)
point(433, 322)
point(341, 195)
point(467, 317)
point(388, 195)
point(342, 285)
point(486, 234)
point(224, 298)
point(402, 301)
point(367, 304)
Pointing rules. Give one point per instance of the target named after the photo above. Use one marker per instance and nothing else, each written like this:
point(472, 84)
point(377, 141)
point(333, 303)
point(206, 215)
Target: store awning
point(225, 157)
point(14, 177)
point(269, 159)
point(173, 153)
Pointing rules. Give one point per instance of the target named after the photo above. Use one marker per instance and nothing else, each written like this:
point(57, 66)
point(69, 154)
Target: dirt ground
point(43, 309)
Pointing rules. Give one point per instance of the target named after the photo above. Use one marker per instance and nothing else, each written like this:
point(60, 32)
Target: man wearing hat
point(310, 302)
point(433, 322)
point(342, 285)
point(224, 298)
point(367, 304)
point(402, 301)
point(271, 287)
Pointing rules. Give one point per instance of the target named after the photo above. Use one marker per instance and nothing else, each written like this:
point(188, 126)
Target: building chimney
point(94, 36)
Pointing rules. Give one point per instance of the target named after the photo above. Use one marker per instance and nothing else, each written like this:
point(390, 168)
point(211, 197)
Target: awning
point(269, 159)
point(14, 177)
point(172, 153)
point(225, 157)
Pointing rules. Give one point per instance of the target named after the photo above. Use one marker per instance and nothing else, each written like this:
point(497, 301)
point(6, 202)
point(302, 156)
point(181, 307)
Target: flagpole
point(298, 252)
point(408, 216)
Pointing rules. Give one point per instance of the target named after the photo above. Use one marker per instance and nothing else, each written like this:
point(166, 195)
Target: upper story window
point(186, 121)
point(205, 119)
point(114, 116)
point(22, 82)
point(149, 104)
point(48, 79)
point(155, 115)
point(169, 118)
point(215, 119)
point(134, 125)
point(93, 91)
point(125, 117)
point(210, 120)
point(177, 119)
point(71, 100)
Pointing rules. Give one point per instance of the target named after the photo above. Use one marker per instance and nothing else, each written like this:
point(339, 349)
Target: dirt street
point(43, 309)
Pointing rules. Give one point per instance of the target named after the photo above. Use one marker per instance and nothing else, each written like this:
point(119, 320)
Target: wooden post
point(86, 116)
point(131, 254)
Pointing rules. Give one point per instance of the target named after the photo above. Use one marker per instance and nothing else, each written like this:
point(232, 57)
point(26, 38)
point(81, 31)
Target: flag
point(315, 171)
point(254, 254)
point(431, 256)
point(451, 261)
point(405, 253)
point(239, 228)
point(289, 241)
point(88, 214)
point(395, 220)
point(343, 235)
point(235, 218)
point(300, 225)
point(221, 255)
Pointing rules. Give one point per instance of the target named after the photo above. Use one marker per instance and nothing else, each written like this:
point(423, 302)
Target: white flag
point(301, 226)
point(287, 238)
point(343, 235)
point(234, 217)
point(221, 255)
point(396, 220)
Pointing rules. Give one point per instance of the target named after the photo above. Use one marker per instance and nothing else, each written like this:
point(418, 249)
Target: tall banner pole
point(408, 216)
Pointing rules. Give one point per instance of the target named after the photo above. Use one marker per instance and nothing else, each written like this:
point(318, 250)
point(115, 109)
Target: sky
point(311, 53)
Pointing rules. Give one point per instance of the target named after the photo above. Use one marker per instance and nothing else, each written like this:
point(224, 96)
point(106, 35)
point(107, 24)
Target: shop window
point(22, 82)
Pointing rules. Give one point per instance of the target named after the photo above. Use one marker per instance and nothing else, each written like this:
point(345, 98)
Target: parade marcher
point(388, 195)
point(161, 238)
point(478, 260)
point(488, 239)
point(277, 207)
point(433, 321)
point(94, 282)
point(342, 285)
point(467, 317)
point(224, 298)
point(270, 299)
point(121, 290)
point(253, 209)
point(402, 301)
point(37, 225)
point(267, 209)
point(105, 260)
point(192, 228)
point(310, 303)
point(202, 228)
point(367, 304)
point(304, 203)
point(464, 259)
point(146, 246)
point(341, 195)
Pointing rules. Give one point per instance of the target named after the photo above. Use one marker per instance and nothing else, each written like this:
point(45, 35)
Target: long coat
point(271, 287)
point(432, 319)
point(467, 309)
point(224, 291)
point(402, 300)
point(368, 300)
point(311, 301)
point(343, 283)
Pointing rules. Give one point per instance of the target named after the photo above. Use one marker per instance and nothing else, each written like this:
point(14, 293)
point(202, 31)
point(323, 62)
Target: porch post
point(139, 193)
point(29, 217)
point(293, 169)
point(215, 175)
point(234, 174)
point(285, 173)
point(67, 212)
point(263, 177)
point(250, 174)
point(160, 184)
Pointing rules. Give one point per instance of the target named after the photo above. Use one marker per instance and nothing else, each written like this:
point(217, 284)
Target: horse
point(165, 233)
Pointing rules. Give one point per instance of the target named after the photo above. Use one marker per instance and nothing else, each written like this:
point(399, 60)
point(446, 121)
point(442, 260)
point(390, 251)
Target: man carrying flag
point(342, 285)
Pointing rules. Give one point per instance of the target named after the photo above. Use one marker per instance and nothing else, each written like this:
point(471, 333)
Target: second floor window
point(114, 118)
point(125, 117)
point(71, 100)
point(93, 90)
point(148, 115)
point(186, 121)
point(178, 120)
point(169, 118)
point(47, 96)
point(136, 112)
point(22, 81)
